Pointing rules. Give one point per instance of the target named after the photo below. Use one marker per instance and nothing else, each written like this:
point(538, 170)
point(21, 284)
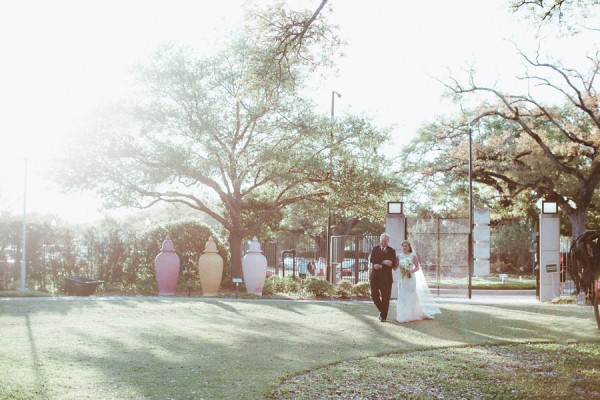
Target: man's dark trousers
point(381, 280)
point(381, 291)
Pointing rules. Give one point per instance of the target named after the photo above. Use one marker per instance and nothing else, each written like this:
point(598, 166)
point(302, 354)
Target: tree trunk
point(577, 218)
point(235, 249)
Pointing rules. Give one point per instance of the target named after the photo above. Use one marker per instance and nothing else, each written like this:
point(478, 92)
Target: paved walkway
point(523, 297)
point(486, 296)
point(491, 299)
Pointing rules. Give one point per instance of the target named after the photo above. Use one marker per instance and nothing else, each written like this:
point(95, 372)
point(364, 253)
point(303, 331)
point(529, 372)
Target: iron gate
point(442, 248)
point(440, 244)
point(350, 257)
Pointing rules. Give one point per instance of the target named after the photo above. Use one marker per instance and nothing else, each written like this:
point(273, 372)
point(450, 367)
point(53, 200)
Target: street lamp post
point(328, 244)
point(470, 247)
point(333, 94)
point(22, 288)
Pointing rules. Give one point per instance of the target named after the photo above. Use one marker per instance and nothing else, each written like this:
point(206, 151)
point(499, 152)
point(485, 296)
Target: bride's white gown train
point(415, 301)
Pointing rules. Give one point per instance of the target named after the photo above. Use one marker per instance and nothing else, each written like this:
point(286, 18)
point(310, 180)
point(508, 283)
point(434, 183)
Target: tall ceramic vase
point(254, 268)
point(167, 269)
point(210, 269)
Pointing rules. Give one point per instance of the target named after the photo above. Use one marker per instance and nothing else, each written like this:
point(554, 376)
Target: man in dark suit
point(382, 259)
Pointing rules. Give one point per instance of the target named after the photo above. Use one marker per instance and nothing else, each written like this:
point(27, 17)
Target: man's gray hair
point(384, 235)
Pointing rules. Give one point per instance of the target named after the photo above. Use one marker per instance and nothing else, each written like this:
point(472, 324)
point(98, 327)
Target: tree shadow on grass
point(161, 348)
point(492, 324)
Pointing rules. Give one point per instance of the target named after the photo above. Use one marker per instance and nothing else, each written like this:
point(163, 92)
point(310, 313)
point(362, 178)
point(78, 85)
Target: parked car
point(348, 266)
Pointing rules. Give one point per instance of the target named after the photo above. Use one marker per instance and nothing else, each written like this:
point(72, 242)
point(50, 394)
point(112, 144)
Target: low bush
point(343, 289)
point(564, 300)
point(278, 284)
point(292, 285)
point(362, 290)
point(318, 288)
point(273, 284)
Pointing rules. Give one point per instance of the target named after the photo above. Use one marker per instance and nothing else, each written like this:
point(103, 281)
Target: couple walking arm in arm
point(415, 301)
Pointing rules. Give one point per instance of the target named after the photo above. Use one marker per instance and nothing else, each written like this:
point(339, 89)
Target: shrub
point(318, 288)
point(277, 284)
point(362, 289)
point(343, 289)
point(499, 267)
point(273, 284)
point(189, 238)
point(564, 300)
point(291, 285)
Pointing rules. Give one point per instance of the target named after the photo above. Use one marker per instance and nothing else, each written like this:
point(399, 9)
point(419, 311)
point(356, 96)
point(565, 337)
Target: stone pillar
point(481, 242)
point(395, 226)
point(549, 257)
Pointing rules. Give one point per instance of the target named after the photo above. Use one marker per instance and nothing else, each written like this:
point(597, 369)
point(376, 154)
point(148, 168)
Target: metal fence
point(440, 244)
point(567, 286)
point(296, 261)
point(442, 248)
point(350, 257)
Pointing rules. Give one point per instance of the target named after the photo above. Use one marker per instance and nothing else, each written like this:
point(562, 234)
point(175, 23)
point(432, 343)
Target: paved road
point(486, 296)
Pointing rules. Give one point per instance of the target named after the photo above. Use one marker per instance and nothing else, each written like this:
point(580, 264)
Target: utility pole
point(23, 288)
point(330, 274)
point(470, 256)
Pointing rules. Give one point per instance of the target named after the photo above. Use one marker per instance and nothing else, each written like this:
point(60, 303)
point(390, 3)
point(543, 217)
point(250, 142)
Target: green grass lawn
point(165, 348)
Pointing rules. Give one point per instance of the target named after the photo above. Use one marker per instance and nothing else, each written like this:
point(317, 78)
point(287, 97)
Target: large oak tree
point(229, 132)
point(523, 145)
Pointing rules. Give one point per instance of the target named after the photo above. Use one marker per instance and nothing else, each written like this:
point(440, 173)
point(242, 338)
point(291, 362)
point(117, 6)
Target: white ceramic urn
point(254, 268)
point(210, 269)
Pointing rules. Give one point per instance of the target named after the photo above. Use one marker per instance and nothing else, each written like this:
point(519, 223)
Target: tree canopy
point(522, 145)
point(229, 136)
point(545, 10)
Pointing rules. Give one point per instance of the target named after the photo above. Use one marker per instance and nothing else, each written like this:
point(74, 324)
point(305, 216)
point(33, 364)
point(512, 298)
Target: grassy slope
point(225, 349)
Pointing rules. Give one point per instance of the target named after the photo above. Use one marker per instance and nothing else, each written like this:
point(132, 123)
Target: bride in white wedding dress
point(415, 301)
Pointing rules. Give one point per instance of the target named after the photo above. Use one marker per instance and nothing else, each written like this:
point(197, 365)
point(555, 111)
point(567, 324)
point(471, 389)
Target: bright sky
point(62, 58)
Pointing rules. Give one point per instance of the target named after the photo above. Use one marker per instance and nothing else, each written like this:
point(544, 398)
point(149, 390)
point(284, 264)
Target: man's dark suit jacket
point(377, 257)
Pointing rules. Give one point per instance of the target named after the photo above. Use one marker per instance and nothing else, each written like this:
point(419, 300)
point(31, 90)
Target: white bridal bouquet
point(406, 264)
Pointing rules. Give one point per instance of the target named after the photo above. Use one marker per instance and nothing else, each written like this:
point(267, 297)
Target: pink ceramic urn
point(167, 269)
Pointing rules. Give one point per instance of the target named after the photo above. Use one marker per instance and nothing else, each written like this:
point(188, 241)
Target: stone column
point(481, 242)
point(395, 226)
point(549, 256)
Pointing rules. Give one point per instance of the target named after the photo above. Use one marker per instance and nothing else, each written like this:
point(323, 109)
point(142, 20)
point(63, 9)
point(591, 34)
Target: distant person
point(311, 267)
point(382, 259)
point(302, 269)
point(415, 301)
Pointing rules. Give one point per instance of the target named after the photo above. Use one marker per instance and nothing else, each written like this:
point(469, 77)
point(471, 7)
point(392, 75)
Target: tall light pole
point(333, 94)
point(470, 247)
point(328, 244)
point(22, 288)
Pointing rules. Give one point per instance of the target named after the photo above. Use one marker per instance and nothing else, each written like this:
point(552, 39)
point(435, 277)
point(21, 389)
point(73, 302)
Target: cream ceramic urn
point(210, 269)
point(254, 268)
point(167, 269)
